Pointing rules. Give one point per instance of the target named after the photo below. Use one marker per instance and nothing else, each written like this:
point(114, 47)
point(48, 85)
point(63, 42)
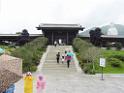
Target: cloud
point(16, 15)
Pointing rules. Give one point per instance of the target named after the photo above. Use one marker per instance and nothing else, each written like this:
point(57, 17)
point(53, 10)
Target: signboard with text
point(102, 62)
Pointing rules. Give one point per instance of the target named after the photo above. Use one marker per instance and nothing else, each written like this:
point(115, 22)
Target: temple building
point(65, 32)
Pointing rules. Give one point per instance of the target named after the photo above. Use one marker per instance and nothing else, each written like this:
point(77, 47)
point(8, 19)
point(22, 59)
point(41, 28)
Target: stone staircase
point(51, 66)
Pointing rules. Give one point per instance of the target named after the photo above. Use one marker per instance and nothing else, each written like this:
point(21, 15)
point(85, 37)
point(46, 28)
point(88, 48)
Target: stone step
point(51, 66)
point(63, 70)
point(58, 70)
point(57, 65)
point(61, 47)
point(54, 62)
point(58, 73)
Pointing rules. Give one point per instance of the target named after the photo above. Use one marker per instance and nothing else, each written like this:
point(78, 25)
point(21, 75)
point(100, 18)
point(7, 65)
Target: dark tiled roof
point(105, 36)
point(12, 35)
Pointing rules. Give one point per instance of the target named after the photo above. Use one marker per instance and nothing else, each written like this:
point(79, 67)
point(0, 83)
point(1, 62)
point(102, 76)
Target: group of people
point(59, 42)
point(28, 83)
point(66, 57)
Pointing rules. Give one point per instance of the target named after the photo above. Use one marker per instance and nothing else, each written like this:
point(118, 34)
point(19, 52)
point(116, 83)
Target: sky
point(16, 15)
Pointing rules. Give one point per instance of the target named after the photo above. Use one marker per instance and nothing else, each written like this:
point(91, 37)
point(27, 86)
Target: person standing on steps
point(58, 57)
point(65, 52)
point(69, 57)
point(60, 41)
point(28, 83)
point(63, 58)
point(41, 84)
point(55, 43)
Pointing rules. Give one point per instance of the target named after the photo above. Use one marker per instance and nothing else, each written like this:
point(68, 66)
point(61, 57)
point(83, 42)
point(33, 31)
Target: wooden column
point(67, 37)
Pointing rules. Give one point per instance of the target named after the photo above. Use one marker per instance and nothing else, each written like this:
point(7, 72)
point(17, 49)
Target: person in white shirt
point(55, 43)
point(60, 41)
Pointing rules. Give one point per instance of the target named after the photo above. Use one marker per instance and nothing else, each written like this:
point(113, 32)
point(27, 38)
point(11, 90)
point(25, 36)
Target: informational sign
point(102, 62)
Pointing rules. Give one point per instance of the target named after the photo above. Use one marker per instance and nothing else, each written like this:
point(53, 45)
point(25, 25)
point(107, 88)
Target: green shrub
point(31, 53)
point(86, 54)
point(120, 57)
point(118, 46)
point(88, 68)
point(33, 68)
point(108, 46)
point(115, 62)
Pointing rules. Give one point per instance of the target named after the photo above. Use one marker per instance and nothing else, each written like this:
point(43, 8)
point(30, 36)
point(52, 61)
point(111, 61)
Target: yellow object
point(28, 84)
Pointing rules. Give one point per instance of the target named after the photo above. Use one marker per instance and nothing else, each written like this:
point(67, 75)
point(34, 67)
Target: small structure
point(55, 32)
point(10, 71)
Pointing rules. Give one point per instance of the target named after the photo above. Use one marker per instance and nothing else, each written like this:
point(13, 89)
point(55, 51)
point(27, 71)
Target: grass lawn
point(109, 69)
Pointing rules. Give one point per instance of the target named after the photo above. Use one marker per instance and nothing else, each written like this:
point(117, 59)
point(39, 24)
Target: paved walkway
point(61, 79)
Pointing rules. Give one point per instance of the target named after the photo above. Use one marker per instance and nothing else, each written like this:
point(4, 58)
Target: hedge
point(31, 53)
point(86, 54)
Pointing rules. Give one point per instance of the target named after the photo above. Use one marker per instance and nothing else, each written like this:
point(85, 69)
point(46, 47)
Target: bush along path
point(86, 54)
point(31, 53)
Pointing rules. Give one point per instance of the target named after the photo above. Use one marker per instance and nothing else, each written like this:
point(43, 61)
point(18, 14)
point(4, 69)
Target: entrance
point(60, 35)
point(65, 32)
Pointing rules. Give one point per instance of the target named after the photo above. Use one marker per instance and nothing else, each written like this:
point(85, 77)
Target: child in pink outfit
point(41, 84)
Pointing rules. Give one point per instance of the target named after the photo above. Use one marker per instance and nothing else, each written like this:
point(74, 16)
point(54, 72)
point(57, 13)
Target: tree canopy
point(23, 38)
point(95, 36)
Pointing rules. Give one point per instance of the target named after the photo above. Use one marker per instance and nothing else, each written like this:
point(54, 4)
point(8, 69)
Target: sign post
point(102, 64)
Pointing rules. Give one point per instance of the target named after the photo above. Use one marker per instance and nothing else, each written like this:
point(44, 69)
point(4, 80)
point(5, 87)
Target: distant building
point(9, 38)
point(65, 32)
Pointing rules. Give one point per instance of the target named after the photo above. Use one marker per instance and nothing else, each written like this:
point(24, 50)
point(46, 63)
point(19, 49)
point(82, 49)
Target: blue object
point(1, 50)
point(70, 54)
point(10, 89)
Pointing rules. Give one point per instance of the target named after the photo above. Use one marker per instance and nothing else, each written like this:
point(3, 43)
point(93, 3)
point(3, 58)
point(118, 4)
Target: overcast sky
point(16, 15)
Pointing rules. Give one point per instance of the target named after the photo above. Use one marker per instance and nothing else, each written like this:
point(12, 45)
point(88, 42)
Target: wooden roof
point(60, 26)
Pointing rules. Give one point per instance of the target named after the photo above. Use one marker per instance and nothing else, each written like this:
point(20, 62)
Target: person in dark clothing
point(65, 52)
point(68, 58)
point(57, 57)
